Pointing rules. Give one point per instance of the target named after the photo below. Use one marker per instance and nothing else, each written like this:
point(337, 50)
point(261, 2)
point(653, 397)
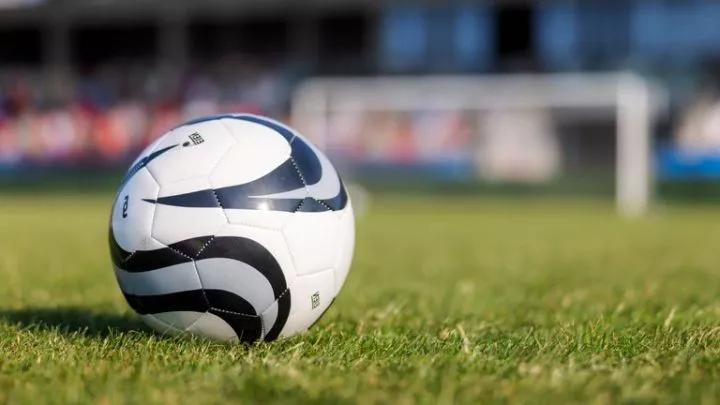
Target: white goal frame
point(637, 103)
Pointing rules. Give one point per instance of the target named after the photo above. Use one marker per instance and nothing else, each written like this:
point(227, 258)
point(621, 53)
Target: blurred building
point(95, 80)
point(365, 35)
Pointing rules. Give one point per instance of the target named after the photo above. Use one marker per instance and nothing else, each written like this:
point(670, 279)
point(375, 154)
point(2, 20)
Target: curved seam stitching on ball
point(202, 249)
point(264, 228)
point(302, 178)
point(229, 131)
point(223, 155)
point(166, 324)
point(235, 313)
point(192, 260)
point(125, 260)
point(227, 220)
point(297, 169)
point(277, 300)
point(217, 198)
point(302, 202)
point(181, 253)
point(197, 273)
point(292, 257)
point(282, 294)
point(212, 169)
point(194, 322)
point(322, 203)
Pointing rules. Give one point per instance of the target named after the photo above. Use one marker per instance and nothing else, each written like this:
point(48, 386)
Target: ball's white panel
point(311, 295)
point(346, 247)
point(196, 151)
point(313, 239)
point(132, 218)
point(252, 135)
point(174, 224)
point(183, 186)
point(160, 326)
point(167, 280)
point(238, 278)
point(180, 320)
point(272, 240)
point(211, 326)
point(263, 219)
point(257, 152)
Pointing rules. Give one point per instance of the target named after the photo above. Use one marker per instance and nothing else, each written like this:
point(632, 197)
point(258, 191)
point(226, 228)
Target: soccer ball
point(231, 227)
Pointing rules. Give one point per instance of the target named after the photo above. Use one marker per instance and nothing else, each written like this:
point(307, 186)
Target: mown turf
point(449, 301)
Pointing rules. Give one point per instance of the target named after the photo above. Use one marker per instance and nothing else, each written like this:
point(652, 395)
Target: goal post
point(634, 102)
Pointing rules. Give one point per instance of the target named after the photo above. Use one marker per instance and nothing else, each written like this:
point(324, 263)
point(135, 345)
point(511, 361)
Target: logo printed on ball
point(315, 300)
point(195, 138)
point(126, 204)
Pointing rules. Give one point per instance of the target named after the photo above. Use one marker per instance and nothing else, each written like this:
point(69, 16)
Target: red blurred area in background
point(99, 128)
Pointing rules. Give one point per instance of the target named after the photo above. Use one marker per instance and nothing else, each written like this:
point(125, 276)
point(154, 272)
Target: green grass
point(449, 301)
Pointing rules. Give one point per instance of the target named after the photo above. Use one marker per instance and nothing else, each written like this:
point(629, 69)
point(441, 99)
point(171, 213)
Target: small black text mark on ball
point(315, 300)
point(125, 206)
point(196, 138)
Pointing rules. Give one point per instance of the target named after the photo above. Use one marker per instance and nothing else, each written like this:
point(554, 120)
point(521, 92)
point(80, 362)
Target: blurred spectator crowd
point(108, 115)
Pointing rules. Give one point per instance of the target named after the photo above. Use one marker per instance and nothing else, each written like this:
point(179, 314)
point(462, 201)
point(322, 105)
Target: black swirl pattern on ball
point(235, 310)
point(302, 171)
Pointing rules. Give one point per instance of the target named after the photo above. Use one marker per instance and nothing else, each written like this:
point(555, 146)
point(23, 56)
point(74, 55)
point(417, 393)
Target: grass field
point(457, 301)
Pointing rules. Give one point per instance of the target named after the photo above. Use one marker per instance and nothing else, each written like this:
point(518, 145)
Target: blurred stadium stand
point(91, 82)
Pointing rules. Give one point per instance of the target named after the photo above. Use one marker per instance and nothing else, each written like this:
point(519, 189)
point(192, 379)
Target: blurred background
point(89, 83)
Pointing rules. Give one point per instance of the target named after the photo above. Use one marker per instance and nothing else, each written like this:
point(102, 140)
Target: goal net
point(543, 130)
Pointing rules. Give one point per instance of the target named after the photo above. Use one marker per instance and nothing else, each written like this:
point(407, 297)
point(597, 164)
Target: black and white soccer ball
point(231, 227)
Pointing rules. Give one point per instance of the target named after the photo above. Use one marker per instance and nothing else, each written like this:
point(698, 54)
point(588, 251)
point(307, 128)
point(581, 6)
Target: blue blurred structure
point(681, 164)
